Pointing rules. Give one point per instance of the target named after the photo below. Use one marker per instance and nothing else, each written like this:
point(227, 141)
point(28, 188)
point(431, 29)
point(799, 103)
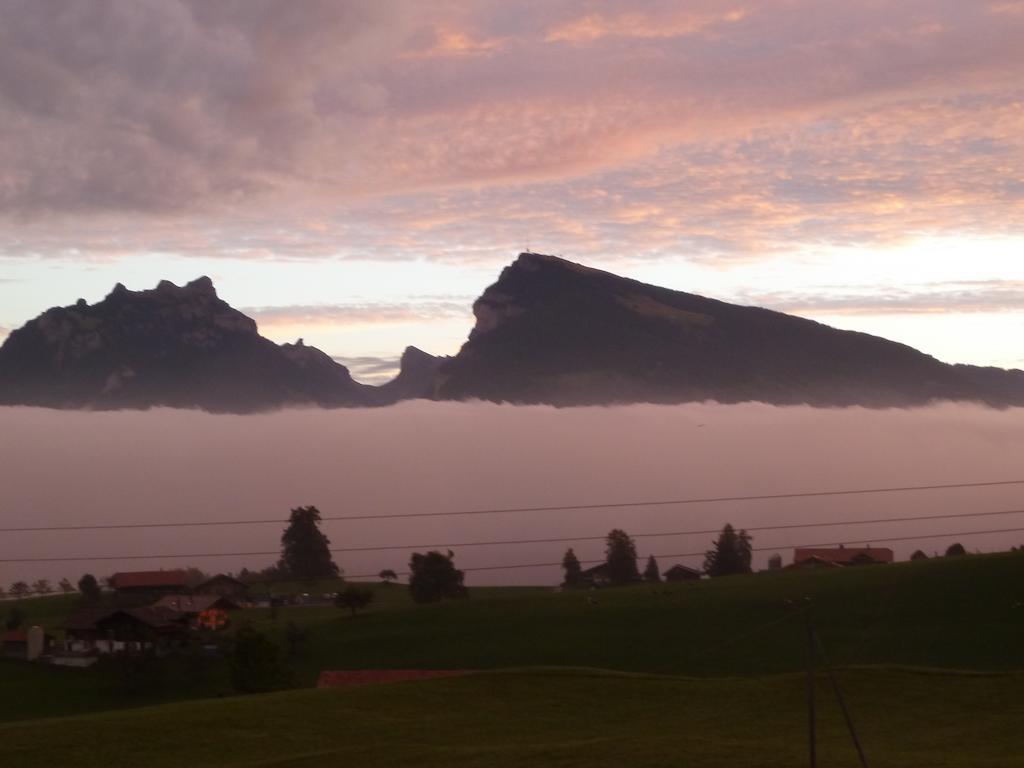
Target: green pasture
point(562, 718)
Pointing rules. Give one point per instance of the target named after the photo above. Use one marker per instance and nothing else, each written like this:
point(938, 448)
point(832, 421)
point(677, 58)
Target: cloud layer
point(62, 468)
point(309, 129)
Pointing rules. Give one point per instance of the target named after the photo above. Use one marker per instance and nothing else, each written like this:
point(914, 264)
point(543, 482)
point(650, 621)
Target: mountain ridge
point(547, 331)
point(172, 346)
point(552, 331)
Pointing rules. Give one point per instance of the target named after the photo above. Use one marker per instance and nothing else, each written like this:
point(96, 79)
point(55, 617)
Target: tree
point(354, 598)
point(651, 572)
point(620, 555)
point(919, 555)
point(387, 575)
point(731, 554)
point(956, 550)
point(433, 577)
point(66, 586)
point(19, 589)
point(42, 587)
point(89, 587)
point(573, 569)
point(255, 662)
point(775, 562)
point(305, 550)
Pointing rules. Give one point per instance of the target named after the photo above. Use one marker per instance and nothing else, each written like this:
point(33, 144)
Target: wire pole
point(842, 702)
point(811, 735)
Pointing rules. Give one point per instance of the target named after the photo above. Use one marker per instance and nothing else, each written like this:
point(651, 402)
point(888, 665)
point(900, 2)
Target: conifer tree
point(731, 554)
point(651, 572)
point(621, 558)
point(305, 550)
point(572, 568)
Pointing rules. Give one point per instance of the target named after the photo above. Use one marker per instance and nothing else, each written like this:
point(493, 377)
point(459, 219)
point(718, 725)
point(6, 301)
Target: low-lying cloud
point(69, 468)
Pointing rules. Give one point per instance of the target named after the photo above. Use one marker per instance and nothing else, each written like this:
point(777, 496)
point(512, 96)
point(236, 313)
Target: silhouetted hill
point(551, 331)
point(548, 331)
point(170, 346)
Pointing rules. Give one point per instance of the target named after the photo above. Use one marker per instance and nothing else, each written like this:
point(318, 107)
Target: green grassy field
point(954, 613)
point(564, 718)
point(957, 613)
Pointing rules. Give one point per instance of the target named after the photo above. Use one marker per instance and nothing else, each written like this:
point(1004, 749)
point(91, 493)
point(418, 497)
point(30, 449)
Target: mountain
point(548, 331)
point(551, 331)
point(172, 346)
point(416, 377)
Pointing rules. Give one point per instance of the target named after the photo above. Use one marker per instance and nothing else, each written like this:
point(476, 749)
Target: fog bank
point(65, 468)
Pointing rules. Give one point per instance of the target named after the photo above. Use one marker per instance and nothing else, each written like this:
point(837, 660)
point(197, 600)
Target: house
point(82, 636)
point(225, 586)
point(682, 573)
point(149, 584)
point(200, 611)
point(149, 628)
point(15, 644)
point(840, 556)
point(598, 576)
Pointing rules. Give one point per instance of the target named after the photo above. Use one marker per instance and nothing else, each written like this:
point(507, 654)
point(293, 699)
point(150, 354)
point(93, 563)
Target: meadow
point(568, 718)
point(928, 654)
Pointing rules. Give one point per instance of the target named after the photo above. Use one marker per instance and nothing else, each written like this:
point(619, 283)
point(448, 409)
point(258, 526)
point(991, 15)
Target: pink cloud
point(631, 24)
point(279, 130)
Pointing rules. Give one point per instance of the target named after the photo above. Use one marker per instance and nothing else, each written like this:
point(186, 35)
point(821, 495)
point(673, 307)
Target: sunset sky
point(355, 173)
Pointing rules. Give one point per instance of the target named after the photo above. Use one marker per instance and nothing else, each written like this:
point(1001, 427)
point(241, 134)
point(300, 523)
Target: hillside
point(952, 613)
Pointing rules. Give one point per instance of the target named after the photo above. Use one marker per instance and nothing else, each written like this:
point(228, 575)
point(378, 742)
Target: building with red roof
point(841, 556)
point(149, 583)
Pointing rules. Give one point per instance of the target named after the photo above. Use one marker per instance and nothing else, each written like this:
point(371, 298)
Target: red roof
point(144, 579)
point(842, 554)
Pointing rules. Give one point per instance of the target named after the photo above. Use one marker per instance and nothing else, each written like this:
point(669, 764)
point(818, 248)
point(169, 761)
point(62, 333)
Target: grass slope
point(562, 718)
point(958, 613)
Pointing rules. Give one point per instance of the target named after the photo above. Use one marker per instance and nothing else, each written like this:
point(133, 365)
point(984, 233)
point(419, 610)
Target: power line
point(516, 510)
point(197, 555)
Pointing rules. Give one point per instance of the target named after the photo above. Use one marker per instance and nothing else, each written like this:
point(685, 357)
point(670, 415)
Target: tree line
point(731, 553)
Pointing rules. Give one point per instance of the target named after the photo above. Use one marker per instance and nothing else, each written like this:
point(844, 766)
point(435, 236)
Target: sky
point(419, 457)
point(356, 173)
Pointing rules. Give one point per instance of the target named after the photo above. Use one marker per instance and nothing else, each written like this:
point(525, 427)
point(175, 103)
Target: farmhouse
point(598, 576)
point(94, 631)
point(806, 557)
point(149, 584)
point(199, 611)
point(682, 573)
point(81, 635)
point(150, 628)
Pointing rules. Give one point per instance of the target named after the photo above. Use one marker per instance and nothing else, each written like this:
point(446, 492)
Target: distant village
point(163, 610)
